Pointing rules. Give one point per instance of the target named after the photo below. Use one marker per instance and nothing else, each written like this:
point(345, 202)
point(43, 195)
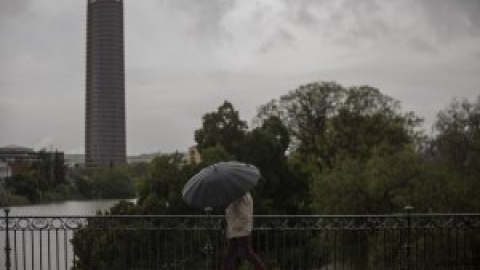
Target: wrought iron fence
point(403, 241)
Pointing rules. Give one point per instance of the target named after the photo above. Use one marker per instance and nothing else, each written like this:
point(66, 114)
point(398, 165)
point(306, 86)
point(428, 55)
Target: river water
point(82, 208)
point(32, 250)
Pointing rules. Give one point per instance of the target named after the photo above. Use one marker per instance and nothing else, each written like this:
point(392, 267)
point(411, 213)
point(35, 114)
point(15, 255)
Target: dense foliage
point(48, 179)
point(326, 149)
point(44, 181)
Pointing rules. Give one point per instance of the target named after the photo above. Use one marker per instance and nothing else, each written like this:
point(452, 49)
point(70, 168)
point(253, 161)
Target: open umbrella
point(216, 186)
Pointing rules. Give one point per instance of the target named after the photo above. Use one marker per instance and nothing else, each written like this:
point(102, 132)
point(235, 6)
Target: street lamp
point(5, 202)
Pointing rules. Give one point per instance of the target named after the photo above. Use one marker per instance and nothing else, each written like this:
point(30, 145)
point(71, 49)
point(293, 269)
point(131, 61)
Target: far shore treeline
point(321, 148)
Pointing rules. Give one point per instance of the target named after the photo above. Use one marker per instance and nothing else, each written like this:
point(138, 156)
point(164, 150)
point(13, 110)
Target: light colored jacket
point(239, 216)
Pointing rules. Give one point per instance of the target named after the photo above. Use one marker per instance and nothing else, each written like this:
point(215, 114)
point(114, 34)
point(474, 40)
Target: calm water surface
point(32, 250)
point(64, 208)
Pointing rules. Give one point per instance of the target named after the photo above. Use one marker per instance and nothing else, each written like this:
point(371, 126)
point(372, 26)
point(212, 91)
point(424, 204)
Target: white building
point(5, 171)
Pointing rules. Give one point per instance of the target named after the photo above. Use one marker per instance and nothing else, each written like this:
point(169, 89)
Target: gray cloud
point(206, 15)
point(9, 8)
point(281, 36)
point(354, 22)
point(453, 19)
point(184, 57)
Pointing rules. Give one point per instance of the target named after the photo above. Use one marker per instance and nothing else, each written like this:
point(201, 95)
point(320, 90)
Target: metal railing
point(402, 241)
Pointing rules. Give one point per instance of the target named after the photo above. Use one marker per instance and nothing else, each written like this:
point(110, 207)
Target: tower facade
point(105, 132)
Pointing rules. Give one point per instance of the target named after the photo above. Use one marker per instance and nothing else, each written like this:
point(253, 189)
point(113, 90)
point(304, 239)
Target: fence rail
point(403, 241)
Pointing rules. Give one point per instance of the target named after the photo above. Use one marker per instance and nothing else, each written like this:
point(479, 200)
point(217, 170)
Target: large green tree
point(456, 151)
point(224, 136)
point(222, 127)
point(305, 111)
point(326, 119)
point(283, 189)
point(160, 190)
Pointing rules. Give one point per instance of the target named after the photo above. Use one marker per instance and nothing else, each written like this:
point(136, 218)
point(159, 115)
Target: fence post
point(7, 240)
point(408, 209)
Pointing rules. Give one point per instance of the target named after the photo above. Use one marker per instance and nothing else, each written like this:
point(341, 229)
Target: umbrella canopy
point(216, 186)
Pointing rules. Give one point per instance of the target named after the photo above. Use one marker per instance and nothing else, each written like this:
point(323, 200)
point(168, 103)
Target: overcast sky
point(185, 57)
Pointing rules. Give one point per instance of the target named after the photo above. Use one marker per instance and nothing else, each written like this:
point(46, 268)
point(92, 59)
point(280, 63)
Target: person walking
point(239, 217)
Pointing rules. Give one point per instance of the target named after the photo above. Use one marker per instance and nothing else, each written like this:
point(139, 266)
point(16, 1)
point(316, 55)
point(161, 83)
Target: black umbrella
point(216, 186)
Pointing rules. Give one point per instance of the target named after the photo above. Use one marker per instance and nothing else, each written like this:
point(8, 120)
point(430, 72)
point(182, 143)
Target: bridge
point(397, 241)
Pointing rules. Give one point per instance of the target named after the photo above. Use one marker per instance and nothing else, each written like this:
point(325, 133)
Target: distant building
point(5, 171)
point(105, 132)
point(17, 158)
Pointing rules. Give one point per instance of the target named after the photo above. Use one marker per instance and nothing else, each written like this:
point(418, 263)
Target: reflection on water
point(47, 249)
point(84, 208)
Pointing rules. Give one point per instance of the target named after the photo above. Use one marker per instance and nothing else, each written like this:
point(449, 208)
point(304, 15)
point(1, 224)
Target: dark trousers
point(241, 246)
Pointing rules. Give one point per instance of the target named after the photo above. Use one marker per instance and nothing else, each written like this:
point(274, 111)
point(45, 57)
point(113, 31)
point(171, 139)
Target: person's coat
point(239, 217)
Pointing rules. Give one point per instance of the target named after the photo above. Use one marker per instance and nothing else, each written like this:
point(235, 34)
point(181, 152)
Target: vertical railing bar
point(190, 244)
point(32, 244)
point(41, 249)
point(298, 246)
point(183, 248)
point(175, 258)
point(434, 243)
point(132, 255)
point(456, 254)
point(300, 257)
point(157, 249)
point(343, 249)
point(57, 251)
point(23, 250)
point(415, 254)
point(266, 245)
point(65, 247)
point(148, 233)
point(464, 249)
point(49, 255)
point(359, 245)
point(433, 252)
point(125, 248)
point(111, 232)
point(275, 245)
point(327, 254)
point(284, 254)
point(142, 240)
point(165, 248)
point(385, 248)
point(448, 247)
point(15, 248)
point(425, 239)
point(334, 249)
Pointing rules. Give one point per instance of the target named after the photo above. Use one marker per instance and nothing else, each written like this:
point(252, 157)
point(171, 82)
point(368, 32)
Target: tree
point(160, 190)
point(110, 183)
point(458, 139)
point(305, 111)
point(457, 147)
point(325, 119)
point(281, 189)
point(31, 185)
point(224, 128)
point(51, 165)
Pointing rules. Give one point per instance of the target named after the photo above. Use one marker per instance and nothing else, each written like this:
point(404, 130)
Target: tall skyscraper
point(105, 132)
